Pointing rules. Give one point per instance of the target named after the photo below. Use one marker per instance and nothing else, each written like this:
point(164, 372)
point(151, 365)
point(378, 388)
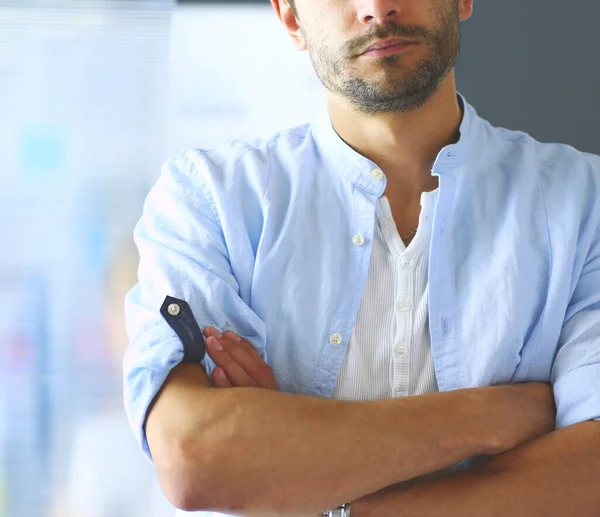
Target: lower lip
point(395, 49)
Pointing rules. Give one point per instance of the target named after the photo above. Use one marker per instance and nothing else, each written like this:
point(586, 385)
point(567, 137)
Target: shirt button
point(403, 306)
point(335, 339)
point(377, 174)
point(407, 261)
point(359, 240)
point(173, 309)
point(400, 350)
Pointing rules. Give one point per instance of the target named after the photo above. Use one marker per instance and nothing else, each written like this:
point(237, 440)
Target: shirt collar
point(360, 170)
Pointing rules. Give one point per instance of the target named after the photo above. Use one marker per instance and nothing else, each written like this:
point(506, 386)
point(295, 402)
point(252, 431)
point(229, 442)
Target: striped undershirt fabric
point(389, 352)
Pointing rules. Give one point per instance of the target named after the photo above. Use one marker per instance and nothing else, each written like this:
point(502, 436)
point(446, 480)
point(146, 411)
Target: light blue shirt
point(258, 238)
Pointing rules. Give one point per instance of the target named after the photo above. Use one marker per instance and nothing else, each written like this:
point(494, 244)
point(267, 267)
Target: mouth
point(387, 47)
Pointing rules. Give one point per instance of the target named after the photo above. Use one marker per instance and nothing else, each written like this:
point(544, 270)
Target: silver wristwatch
point(340, 511)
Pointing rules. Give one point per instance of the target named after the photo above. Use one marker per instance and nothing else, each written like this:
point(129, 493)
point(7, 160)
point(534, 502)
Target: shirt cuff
point(577, 396)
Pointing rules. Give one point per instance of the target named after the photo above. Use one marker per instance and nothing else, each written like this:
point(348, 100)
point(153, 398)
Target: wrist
point(340, 511)
point(362, 507)
point(488, 432)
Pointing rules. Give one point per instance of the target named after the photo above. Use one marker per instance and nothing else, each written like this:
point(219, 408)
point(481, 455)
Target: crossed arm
point(555, 474)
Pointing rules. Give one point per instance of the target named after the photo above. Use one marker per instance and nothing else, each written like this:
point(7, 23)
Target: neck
point(403, 145)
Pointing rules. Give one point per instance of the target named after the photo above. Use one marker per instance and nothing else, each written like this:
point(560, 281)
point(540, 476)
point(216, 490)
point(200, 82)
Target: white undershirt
point(389, 353)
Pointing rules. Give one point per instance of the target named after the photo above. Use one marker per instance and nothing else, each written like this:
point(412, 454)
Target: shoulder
point(240, 164)
point(546, 157)
point(554, 166)
point(565, 179)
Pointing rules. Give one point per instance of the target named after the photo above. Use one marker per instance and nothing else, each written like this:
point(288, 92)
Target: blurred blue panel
point(83, 96)
point(43, 151)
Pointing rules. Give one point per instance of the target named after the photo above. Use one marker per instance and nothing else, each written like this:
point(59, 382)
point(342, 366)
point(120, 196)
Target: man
point(385, 293)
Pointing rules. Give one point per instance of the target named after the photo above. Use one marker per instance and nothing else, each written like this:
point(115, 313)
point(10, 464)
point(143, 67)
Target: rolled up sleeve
point(182, 254)
point(576, 368)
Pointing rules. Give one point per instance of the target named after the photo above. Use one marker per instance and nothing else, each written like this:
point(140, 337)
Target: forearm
point(257, 452)
point(310, 453)
point(556, 475)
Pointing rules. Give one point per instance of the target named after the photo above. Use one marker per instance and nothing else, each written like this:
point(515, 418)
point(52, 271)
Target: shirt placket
point(403, 302)
point(360, 245)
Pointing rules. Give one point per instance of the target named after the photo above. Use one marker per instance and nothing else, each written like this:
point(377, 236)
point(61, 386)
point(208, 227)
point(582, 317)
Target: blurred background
point(94, 97)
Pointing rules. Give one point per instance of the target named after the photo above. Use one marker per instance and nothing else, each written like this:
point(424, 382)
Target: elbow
point(206, 488)
point(183, 495)
point(192, 482)
point(196, 455)
point(188, 445)
point(198, 495)
point(184, 476)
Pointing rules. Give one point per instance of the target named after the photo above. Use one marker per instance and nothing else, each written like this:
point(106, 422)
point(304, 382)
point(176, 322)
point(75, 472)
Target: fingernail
point(215, 344)
point(216, 333)
point(235, 336)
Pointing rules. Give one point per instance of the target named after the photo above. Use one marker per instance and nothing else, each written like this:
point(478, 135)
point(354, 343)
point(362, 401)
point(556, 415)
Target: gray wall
point(534, 65)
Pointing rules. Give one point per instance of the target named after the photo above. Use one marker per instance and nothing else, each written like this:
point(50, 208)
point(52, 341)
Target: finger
point(236, 374)
point(240, 341)
point(211, 331)
point(253, 363)
point(219, 379)
point(260, 371)
point(233, 342)
point(249, 359)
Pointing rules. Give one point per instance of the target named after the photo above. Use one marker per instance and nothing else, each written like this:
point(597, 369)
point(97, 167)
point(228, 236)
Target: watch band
point(340, 511)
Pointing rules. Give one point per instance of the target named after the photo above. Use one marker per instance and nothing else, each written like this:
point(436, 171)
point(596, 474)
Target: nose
point(377, 11)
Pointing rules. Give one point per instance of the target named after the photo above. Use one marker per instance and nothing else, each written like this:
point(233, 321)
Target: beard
point(399, 90)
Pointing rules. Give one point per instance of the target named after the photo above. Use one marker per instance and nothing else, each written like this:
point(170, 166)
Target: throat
point(406, 219)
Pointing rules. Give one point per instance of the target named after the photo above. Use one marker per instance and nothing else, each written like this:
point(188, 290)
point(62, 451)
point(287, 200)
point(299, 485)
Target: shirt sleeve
point(576, 368)
point(183, 253)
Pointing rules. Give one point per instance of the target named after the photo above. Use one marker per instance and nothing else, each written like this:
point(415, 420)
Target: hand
point(238, 363)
